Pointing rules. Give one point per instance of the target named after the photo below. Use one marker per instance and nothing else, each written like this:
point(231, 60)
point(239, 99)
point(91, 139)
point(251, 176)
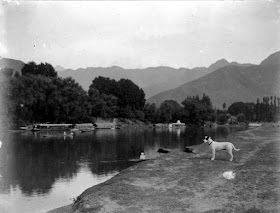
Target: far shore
point(137, 123)
point(188, 182)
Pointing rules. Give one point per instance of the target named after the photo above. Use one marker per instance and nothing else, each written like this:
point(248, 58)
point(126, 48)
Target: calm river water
point(40, 171)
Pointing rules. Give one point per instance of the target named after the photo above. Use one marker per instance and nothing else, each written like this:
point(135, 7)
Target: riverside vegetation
point(37, 94)
point(191, 182)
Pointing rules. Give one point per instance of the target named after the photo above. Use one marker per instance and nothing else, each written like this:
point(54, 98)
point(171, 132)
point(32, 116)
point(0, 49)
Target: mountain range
point(152, 80)
point(59, 68)
point(222, 81)
point(231, 83)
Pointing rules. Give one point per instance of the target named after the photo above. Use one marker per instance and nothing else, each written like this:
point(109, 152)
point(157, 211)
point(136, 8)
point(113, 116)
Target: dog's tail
point(235, 148)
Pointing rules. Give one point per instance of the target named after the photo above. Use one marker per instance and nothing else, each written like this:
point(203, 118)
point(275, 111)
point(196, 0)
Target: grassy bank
point(188, 182)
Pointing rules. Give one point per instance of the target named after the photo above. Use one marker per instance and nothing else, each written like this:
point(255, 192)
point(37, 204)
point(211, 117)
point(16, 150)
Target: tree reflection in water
point(34, 162)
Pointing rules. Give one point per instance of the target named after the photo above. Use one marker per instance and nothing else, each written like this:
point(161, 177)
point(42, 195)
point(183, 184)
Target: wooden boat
point(161, 125)
point(87, 130)
point(30, 128)
point(178, 124)
point(49, 126)
point(74, 130)
point(83, 127)
point(106, 125)
point(254, 124)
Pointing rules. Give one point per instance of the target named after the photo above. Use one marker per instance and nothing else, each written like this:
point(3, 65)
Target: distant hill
point(16, 65)
point(231, 83)
point(272, 59)
point(59, 68)
point(152, 80)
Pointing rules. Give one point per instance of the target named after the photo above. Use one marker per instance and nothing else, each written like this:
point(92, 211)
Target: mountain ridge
point(152, 80)
point(223, 81)
point(230, 84)
point(14, 64)
point(59, 68)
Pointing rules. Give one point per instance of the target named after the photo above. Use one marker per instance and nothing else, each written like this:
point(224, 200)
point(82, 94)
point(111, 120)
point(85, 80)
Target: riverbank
point(191, 182)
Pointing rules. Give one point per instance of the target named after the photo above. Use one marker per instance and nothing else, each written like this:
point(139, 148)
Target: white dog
point(217, 146)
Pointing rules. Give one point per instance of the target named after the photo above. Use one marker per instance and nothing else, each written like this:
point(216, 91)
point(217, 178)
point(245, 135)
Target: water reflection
point(33, 164)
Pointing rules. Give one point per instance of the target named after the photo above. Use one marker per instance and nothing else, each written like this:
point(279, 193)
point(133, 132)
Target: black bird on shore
point(162, 151)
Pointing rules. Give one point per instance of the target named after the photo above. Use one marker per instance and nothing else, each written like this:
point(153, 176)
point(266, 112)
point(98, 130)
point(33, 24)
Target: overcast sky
point(139, 34)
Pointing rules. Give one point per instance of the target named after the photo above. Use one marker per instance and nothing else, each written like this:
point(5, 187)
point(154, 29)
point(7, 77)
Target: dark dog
point(189, 150)
point(162, 151)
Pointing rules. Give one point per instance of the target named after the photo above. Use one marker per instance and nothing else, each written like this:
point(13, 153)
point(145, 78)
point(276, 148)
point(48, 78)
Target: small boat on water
point(162, 125)
point(87, 130)
point(29, 128)
point(106, 125)
point(254, 124)
point(178, 124)
point(83, 127)
point(49, 126)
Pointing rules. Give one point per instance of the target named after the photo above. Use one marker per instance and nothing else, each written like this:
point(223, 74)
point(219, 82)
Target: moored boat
point(49, 126)
point(254, 124)
point(83, 127)
point(106, 125)
point(178, 124)
point(29, 128)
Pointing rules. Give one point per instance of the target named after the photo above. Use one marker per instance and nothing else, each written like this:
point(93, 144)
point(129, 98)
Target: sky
point(139, 34)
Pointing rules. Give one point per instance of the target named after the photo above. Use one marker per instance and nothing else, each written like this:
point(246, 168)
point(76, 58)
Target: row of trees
point(39, 95)
point(267, 110)
point(110, 98)
point(193, 110)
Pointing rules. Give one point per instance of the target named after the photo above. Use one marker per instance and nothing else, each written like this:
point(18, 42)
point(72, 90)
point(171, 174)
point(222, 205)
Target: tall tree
point(194, 112)
point(130, 95)
point(169, 111)
point(224, 106)
point(32, 68)
point(150, 112)
point(105, 86)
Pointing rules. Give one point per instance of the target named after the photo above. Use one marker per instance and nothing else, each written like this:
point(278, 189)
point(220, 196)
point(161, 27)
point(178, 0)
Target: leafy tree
point(108, 106)
point(237, 108)
point(105, 86)
point(32, 68)
point(224, 106)
point(194, 112)
point(169, 111)
point(74, 105)
point(131, 95)
point(222, 118)
point(197, 111)
point(150, 111)
point(206, 101)
point(258, 110)
point(130, 98)
point(95, 102)
point(241, 117)
point(248, 109)
point(139, 115)
point(126, 112)
point(26, 97)
point(36, 98)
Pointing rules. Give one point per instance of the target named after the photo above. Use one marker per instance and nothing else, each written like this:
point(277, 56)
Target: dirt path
point(187, 182)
